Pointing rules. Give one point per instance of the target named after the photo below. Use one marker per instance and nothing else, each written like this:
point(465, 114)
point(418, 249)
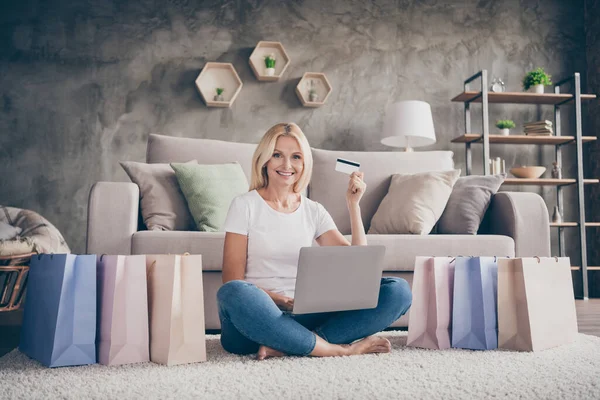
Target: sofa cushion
point(401, 250)
point(16, 246)
point(328, 186)
point(400, 253)
point(168, 149)
point(8, 231)
point(162, 204)
point(414, 202)
point(45, 236)
point(209, 244)
point(209, 190)
point(470, 198)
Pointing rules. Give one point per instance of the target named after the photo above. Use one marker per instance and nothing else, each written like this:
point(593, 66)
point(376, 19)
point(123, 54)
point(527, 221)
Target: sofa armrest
point(522, 216)
point(112, 217)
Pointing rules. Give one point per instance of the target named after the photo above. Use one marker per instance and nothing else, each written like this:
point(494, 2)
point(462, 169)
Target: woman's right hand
point(283, 302)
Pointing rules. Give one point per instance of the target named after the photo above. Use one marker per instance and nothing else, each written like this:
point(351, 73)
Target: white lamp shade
point(408, 124)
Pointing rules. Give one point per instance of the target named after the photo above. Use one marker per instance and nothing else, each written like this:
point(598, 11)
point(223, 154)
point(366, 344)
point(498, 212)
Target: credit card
point(346, 166)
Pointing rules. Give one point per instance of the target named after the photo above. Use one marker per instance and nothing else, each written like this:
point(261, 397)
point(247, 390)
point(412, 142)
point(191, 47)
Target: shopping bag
point(430, 319)
point(176, 304)
point(123, 336)
point(59, 320)
point(474, 314)
point(536, 303)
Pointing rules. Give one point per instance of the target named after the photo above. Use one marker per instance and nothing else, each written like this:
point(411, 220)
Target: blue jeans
point(250, 318)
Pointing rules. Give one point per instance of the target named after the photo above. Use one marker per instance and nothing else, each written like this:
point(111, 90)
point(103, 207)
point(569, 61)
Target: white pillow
point(414, 203)
point(8, 231)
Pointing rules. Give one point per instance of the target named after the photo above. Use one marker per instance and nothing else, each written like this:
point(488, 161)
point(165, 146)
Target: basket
point(13, 280)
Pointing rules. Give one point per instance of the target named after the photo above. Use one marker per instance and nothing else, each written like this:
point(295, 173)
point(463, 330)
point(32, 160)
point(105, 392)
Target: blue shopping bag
point(475, 306)
point(59, 321)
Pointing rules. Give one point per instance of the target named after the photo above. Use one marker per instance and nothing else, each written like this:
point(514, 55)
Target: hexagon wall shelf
point(257, 60)
point(218, 75)
point(317, 82)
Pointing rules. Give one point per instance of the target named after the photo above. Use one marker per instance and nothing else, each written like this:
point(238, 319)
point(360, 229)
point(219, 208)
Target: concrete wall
point(83, 83)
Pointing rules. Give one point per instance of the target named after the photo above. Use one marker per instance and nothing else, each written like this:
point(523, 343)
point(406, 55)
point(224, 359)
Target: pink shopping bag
point(430, 320)
point(536, 303)
point(176, 303)
point(122, 310)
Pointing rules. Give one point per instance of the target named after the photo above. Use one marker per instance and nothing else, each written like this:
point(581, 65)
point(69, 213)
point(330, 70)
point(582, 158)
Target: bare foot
point(370, 344)
point(266, 352)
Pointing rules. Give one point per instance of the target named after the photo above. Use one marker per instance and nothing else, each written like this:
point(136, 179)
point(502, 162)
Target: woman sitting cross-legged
point(265, 229)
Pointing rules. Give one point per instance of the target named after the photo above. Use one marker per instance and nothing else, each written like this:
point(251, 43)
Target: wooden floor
point(588, 318)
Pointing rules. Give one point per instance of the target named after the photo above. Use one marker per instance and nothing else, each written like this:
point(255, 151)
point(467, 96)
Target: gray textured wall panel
point(83, 83)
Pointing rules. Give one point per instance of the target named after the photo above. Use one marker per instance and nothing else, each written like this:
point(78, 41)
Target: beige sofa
point(517, 223)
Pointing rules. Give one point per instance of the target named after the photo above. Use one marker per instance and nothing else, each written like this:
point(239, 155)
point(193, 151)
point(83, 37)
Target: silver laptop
point(338, 278)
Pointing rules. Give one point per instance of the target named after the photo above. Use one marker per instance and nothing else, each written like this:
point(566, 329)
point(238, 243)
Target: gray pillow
point(162, 204)
point(470, 198)
point(8, 232)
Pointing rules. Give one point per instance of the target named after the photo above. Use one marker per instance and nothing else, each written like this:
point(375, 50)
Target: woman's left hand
point(356, 188)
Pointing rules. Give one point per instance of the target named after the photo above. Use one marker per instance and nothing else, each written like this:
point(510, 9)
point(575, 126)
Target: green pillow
point(209, 190)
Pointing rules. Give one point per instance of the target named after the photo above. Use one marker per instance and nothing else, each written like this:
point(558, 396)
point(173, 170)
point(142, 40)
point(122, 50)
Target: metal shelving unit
point(556, 99)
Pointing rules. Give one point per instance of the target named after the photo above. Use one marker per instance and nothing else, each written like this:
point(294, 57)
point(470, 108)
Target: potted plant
point(536, 79)
point(313, 96)
point(505, 125)
point(219, 95)
point(270, 64)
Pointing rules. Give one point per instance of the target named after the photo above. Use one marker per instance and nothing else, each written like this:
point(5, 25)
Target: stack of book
point(538, 128)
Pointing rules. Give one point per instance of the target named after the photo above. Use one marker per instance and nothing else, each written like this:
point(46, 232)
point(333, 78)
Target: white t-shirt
point(275, 238)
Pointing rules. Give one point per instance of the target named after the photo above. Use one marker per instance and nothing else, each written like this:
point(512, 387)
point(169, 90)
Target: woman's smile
point(285, 174)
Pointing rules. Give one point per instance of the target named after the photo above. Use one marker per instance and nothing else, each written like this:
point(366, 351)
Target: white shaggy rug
point(567, 372)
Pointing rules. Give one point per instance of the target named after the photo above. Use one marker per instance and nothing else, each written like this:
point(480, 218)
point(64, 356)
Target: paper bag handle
point(539, 260)
point(454, 259)
point(40, 255)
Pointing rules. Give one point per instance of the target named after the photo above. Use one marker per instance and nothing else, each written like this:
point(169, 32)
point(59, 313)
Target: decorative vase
point(538, 88)
point(219, 97)
point(556, 217)
point(497, 85)
point(313, 96)
point(270, 71)
point(498, 166)
point(504, 131)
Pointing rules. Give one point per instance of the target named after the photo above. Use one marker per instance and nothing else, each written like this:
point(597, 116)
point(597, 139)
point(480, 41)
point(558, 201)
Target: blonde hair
point(264, 152)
